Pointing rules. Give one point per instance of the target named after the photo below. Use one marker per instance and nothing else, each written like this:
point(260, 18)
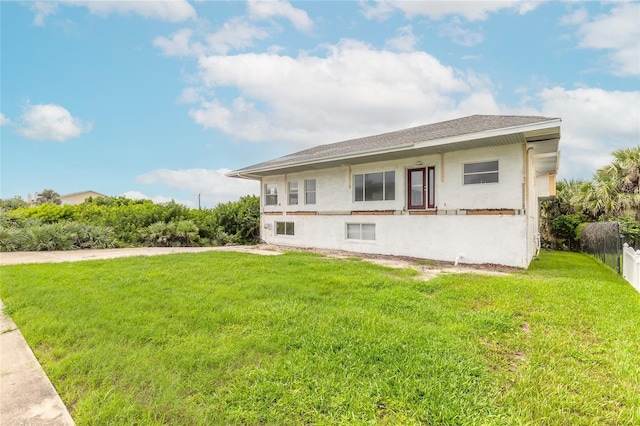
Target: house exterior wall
point(480, 223)
point(470, 239)
point(79, 197)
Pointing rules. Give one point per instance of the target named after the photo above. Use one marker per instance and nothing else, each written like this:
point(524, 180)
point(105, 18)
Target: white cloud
point(404, 41)
point(158, 199)
point(308, 99)
point(41, 10)
point(213, 185)
point(51, 122)
point(594, 123)
point(163, 10)
point(379, 10)
point(617, 32)
point(577, 17)
point(4, 120)
point(469, 10)
point(460, 35)
point(190, 95)
point(235, 34)
point(260, 9)
point(179, 44)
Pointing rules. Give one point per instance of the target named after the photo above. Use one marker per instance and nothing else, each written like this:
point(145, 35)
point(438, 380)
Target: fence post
point(636, 283)
point(626, 263)
point(631, 266)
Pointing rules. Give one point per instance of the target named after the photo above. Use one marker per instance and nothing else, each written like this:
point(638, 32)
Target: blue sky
point(158, 99)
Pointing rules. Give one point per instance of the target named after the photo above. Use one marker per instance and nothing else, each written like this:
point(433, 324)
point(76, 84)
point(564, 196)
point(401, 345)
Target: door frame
point(424, 189)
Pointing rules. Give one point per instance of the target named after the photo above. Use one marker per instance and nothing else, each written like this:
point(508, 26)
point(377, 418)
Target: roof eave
point(257, 173)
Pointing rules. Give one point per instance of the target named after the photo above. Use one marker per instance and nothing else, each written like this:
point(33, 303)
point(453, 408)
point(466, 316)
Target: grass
point(230, 338)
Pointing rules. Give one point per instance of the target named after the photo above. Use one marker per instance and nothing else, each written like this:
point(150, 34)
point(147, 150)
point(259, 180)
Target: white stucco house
point(79, 197)
point(72, 199)
point(465, 190)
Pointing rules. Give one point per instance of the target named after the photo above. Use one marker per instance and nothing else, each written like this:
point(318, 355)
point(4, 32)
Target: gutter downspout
point(525, 195)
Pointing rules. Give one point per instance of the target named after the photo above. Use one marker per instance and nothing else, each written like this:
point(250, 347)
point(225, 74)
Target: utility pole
point(199, 201)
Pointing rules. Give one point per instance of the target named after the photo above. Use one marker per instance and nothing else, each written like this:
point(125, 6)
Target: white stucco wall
point(334, 190)
point(502, 239)
point(78, 198)
point(497, 239)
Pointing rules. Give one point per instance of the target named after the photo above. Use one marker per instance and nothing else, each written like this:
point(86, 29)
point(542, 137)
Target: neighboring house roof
point(79, 197)
point(463, 133)
point(85, 193)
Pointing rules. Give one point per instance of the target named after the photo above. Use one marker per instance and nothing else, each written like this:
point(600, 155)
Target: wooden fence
point(631, 265)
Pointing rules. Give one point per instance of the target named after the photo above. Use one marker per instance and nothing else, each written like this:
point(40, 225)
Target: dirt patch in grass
point(427, 268)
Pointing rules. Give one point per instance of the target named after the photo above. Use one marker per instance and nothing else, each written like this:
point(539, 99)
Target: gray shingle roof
point(430, 132)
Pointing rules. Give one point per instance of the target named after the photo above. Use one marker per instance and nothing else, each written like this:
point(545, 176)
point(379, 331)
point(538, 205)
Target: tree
point(13, 203)
point(627, 165)
point(615, 189)
point(612, 195)
point(48, 196)
point(565, 203)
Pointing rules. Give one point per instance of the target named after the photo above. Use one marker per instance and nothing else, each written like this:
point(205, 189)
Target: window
point(375, 186)
point(486, 172)
point(431, 178)
point(270, 195)
point(293, 193)
point(284, 228)
point(310, 191)
point(361, 231)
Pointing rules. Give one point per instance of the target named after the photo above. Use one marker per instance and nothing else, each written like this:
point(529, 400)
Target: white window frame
point(363, 195)
point(307, 192)
point(488, 173)
point(270, 194)
point(360, 236)
point(287, 226)
point(293, 191)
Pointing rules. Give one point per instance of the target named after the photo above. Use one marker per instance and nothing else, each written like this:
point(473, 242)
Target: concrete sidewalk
point(27, 396)
point(20, 257)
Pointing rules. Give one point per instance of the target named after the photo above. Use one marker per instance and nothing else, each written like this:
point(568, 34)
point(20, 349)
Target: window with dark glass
point(284, 228)
point(310, 191)
point(485, 172)
point(375, 186)
point(270, 194)
point(293, 193)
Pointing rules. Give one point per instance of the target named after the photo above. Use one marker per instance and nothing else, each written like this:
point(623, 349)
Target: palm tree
point(615, 189)
point(48, 196)
point(627, 165)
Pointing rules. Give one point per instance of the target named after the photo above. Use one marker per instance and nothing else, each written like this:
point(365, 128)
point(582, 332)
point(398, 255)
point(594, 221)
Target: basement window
point(485, 172)
point(361, 231)
point(285, 228)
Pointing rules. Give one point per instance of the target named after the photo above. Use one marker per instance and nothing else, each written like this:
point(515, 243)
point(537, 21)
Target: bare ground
point(427, 269)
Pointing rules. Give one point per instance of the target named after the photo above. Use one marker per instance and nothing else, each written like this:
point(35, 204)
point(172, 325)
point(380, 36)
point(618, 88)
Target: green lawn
point(229, 338)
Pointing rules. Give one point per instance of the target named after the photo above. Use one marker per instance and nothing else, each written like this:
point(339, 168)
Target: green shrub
point(184, 233)
point(240, 219)
point(630, 230)
point(109, 222)
point(11, 239)
point(564, 228)
point(47, 237)
point(85, 236)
